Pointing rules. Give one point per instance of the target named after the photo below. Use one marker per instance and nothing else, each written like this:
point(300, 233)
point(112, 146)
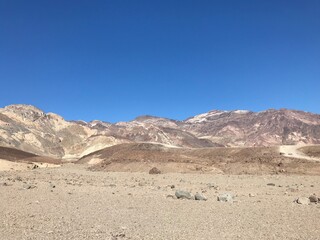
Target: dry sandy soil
point(72, 202)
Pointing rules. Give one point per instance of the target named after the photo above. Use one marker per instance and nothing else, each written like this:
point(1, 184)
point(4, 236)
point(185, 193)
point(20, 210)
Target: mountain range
point(30, 129)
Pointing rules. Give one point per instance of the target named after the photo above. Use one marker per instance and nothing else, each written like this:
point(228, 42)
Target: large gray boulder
point(200, 197)
point(183, 194)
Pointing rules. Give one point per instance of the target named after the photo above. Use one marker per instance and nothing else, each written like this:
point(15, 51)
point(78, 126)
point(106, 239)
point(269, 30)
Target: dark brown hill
point(144, 156)
point(15, 155)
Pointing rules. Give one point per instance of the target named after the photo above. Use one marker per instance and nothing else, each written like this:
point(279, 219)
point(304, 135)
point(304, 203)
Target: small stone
point(18, 178)
point(313, 199)
point(172, 186)
point(183, 194)
point(303, 200)
point(226, 197)
point(28, 186)
point(251, 195)
point(271, 184)
point(293, 189)
point(171, 196)
point(154, 170)
point(200, 197)
point(34, 166)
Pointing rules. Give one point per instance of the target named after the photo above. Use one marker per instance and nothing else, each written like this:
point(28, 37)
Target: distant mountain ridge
point(28, 128)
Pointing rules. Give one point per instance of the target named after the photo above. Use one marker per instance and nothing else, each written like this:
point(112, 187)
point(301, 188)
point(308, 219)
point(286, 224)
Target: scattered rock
point(303, 200)
point(271, 184)
point(212, 185)
point(313, 199)
point(117, 236)
point(226, 197)
point(251, 195)
point(183, 195)
point(28, 186)
point(293, 190)
point(171, 196)
point(34, 166)
point(172, 186)
point(154, 170)
point(18, 178)
point(200, 197)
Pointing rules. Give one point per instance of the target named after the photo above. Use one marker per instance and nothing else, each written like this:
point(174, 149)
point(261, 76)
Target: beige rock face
point(28, 128)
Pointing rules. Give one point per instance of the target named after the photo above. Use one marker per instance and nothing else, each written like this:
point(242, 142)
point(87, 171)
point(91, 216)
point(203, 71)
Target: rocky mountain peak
point(25, 111)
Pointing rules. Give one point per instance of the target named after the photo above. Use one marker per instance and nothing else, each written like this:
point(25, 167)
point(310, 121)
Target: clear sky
point(115, 60)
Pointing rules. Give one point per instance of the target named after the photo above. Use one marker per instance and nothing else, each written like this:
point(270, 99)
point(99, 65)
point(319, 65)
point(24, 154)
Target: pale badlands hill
point(30, 129)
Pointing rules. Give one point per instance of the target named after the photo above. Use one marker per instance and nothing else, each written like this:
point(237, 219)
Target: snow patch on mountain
point(241, 111)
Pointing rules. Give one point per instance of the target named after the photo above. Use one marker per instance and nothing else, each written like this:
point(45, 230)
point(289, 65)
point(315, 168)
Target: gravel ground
point(73, 203)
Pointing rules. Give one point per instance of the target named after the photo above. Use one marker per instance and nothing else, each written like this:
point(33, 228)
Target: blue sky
point(115, 60)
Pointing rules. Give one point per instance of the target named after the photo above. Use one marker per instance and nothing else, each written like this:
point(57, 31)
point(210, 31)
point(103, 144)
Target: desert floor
point(71, 202)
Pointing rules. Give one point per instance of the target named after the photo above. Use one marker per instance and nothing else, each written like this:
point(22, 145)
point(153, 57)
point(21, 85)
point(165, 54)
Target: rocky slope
point(30, 129)
point(245, 128)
